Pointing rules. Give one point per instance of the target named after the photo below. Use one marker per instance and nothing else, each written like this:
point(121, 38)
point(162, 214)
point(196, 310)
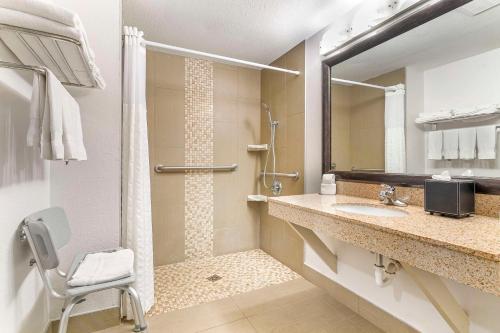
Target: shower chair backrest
point(47, 231)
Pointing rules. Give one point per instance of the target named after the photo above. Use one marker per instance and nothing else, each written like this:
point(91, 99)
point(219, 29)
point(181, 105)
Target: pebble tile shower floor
point(198, 281)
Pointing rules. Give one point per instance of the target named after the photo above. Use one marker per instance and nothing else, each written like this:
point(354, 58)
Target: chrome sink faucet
point(388, 196)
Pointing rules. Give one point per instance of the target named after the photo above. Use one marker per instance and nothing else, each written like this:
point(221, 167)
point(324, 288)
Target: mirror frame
point(406, 20)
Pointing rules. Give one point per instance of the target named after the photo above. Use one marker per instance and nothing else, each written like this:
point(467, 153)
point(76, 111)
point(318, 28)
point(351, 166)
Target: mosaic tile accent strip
point(186, 284)
point(199, 150)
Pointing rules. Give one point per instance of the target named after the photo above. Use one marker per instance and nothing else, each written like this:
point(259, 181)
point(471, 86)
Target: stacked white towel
point(480, 110)
point(429, 117)
point(477, 110)
point(44, 16)
point(486, 142)
point(450, 144)
point(55, 124)
point(103, 267)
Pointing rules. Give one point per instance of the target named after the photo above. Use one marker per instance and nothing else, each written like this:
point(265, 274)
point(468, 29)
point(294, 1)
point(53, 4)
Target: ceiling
point(453, 36)
point(257, 30)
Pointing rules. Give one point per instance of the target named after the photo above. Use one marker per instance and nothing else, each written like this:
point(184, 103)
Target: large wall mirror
point(417, 96)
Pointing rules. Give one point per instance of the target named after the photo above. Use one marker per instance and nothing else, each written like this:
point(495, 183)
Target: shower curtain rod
point(174, 49)
point(362, 84)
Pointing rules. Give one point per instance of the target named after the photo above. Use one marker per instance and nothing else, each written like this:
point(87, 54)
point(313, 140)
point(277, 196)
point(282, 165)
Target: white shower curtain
point(395, 142)
point(136, 196)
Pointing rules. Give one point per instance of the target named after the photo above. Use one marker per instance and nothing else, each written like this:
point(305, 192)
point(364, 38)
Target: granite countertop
point(476, 235)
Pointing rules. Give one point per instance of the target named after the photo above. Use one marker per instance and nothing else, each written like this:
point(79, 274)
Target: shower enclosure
point(201, 118)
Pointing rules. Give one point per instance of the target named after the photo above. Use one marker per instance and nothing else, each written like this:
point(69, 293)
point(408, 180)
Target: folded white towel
point(467, 143)
point(427, 117)
point(480, 110)
point(103, 267)
point(36, 109)
point(435, 145)
point(445, 175)
point(477, 110)
point(74, 148)
point(64, 124)
point(486, 142)
point(41, 8)
point(450, 144)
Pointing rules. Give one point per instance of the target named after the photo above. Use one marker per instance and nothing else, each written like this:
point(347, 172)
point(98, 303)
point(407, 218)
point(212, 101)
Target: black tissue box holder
point(451, 198)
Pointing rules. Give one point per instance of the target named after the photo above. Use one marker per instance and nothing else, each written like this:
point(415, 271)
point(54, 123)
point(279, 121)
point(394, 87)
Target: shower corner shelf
point(256, 198)
point(262, 147)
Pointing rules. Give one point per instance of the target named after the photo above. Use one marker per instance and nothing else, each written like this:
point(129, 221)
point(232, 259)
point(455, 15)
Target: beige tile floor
point(185, 284)
point(296, 306)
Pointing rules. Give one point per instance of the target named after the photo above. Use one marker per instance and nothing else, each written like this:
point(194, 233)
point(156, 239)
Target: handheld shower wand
point(276, 186)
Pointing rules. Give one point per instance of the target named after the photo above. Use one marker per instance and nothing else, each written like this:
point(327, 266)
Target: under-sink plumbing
point(385, 274)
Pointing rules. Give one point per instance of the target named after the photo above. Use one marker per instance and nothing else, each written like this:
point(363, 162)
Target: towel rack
point(172, 169)
point(62, 69)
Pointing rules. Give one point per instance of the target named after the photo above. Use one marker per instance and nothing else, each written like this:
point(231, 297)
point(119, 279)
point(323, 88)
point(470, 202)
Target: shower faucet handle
point(277, 187)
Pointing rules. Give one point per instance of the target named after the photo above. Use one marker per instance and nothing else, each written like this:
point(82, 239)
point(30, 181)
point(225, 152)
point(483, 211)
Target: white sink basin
point(370, 210)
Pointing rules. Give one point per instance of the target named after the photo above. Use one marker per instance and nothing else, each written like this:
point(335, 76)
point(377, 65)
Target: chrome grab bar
point(295, 175)
point(171, 169)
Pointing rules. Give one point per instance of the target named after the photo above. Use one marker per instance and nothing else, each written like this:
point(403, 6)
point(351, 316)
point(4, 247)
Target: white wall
point(90, 191)
point(464, 83)
point(24, 188)
point(313, 115)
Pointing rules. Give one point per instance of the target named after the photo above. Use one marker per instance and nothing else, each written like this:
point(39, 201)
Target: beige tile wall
point(285, 94)
point(165, 101)
point(358, 128)
point(236, 112)
point(341, 126)
point(237, 124)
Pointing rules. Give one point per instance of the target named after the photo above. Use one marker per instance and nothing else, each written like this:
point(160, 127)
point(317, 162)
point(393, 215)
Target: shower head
point(267, 108)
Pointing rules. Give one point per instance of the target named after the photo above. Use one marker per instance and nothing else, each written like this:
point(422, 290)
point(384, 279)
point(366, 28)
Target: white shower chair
point(47, 231)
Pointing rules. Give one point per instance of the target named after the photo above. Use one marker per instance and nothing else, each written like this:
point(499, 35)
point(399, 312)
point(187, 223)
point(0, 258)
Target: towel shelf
point(173, 169)
point(54, 57)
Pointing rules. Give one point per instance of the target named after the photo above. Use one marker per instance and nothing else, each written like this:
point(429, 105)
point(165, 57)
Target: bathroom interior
point(258, 166)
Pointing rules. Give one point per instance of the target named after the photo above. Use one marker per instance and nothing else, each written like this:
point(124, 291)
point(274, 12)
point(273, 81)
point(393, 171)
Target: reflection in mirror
point(360, 127)
point(422, 103)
